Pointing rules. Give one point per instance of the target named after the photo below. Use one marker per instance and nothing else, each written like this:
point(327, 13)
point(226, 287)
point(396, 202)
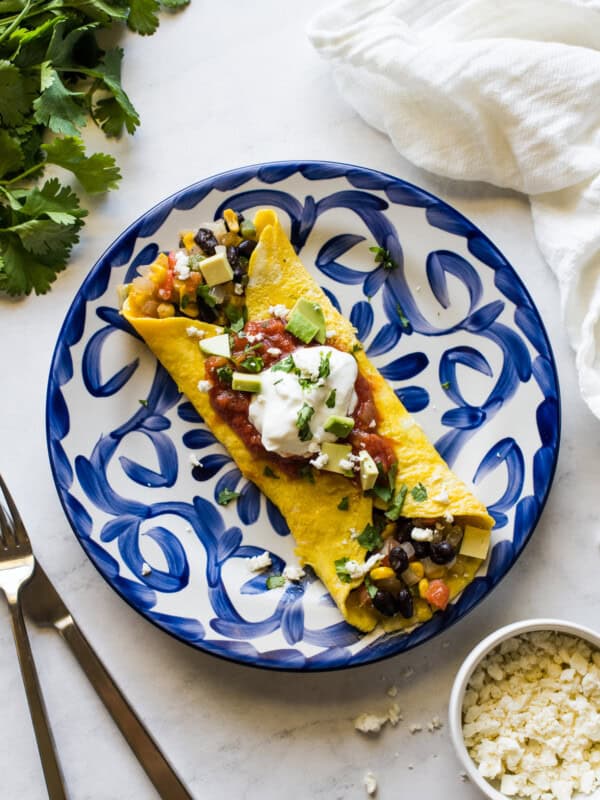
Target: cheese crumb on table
point(373, 723)
point(531, 716)
point(258, 563)
point(370, 782)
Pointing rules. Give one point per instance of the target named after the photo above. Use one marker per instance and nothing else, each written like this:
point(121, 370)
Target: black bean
point(422, 549)
point(385, 603)
point(398, 560)
point(206, 241)
point(442, 552)
point(403, 528)
point(404, 603)
point(246, 248)
point(233, 256)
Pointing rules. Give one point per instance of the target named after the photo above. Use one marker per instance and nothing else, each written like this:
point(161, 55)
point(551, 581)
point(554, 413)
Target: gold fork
point(16, 568)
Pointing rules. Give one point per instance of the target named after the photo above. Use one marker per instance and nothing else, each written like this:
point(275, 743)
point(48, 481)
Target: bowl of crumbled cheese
point(525, 712)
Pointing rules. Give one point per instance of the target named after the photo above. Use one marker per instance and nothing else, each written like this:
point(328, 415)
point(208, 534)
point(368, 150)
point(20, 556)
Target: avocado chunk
point(339, 426)
point(336, 453)
point(306, 321)
point(368, 471)
point(244, 382)
point(216, 345)
point(216, 269)
point(475, 543)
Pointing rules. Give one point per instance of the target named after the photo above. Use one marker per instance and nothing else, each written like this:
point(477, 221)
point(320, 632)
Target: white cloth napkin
point(504, 91)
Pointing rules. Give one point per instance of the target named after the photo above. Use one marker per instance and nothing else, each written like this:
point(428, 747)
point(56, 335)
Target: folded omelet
point(324, 533)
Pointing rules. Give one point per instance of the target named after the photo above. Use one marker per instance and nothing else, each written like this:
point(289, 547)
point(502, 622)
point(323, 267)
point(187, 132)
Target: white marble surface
point(211, 99)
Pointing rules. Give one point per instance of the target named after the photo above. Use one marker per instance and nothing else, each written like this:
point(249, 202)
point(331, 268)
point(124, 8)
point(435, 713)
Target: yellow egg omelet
point(322, 531)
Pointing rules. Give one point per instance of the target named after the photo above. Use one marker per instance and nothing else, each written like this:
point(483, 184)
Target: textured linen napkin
point(504, 91)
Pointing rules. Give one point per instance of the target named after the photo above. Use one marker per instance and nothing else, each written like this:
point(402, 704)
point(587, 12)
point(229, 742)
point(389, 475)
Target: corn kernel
point(187, 238)
point(191, 310)
point(381, 573)
point(162, 260)
point(417, 569)
point(231, 239)
point(231, 220)
point(423, 586)
point(165, 310)
point(423, 611)
point(388, 531)
point(158, 273)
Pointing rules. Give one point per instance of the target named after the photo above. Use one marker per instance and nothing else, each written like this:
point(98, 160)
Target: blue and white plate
point(452, 329)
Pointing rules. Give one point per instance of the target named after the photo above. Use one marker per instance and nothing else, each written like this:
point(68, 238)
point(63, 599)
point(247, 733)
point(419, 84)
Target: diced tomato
point(166, 290)
point(438, 594)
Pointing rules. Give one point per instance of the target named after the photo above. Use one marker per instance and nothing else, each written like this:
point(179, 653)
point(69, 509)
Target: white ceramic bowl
point(464, 675)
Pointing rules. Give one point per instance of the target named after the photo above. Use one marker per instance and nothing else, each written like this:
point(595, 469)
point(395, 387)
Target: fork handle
point(37, 709)
point(158, 769)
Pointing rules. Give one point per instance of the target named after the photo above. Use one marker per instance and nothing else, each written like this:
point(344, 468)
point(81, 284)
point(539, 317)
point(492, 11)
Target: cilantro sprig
point(54, 77)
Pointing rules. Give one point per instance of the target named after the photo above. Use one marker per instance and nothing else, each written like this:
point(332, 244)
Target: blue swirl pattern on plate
point(451, 327)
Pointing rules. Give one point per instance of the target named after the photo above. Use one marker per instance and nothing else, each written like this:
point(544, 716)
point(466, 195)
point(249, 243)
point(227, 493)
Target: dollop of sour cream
point(274, 410)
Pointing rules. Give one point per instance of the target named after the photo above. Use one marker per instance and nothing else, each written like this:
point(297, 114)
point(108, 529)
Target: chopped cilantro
point(395, 509)
point(237, 316)
point(330, 402)
point(383, 492)
point(344, 503)
point(253, 364)
point(306, 383)
point(275, 581)
point(392, 472)
point(419, 493)
point(203, 293)
point(446, 385)
point(324, 366)
point(304, 416)
point(341, 570)
point(268, 473)
point(184, 302)
point(356, 347)
point(285, 365)
point(370, 538)
point(144, 403)
point(404, 321)
point(383, 257)
point(225, 375)
point(307, 472)
point(226, 496)
point(370, 587)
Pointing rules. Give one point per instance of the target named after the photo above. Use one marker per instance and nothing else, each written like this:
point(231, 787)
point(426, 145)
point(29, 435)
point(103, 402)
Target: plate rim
point(201, 645)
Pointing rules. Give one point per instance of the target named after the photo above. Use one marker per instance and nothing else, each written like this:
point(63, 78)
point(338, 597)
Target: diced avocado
point(306, 321)
point(339, 426)
point(336, 453)
point(368, 471)
point(476, 542)
point(216, 345)
point(243, 382)
point(216, 269)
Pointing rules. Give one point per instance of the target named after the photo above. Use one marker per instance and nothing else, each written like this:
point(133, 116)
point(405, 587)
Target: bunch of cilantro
point(54, 76)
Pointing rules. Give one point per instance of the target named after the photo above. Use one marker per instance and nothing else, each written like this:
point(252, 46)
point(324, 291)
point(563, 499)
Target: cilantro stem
point(24, 174)
point(15, 23)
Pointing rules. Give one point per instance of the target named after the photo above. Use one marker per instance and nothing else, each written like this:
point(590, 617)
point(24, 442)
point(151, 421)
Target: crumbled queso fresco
point(531, 716)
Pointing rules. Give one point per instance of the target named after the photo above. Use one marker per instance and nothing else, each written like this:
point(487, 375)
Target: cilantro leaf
point(142, 16)
point(11, 155)
point(307, 472)
point(344, 503)
point(286, 364)
point(225, 496)
point(44, 237)
point(330, 402)
point(419, 493)
point(383, 257)
point(370, 586)
point(396, 508)
point(253, 363)
point(341, 569)
point(324, 365)
point(112, 113)
point(14, 97)
point(57, 107)
point(445, 385)
point(225, 375)
point(275, 581)
point(58, 203)
point(304, 416)
point(96, 173)
point(21, 272)
point(268, 473)
point(203, 293)
point(370, 538)
point(404, 321)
